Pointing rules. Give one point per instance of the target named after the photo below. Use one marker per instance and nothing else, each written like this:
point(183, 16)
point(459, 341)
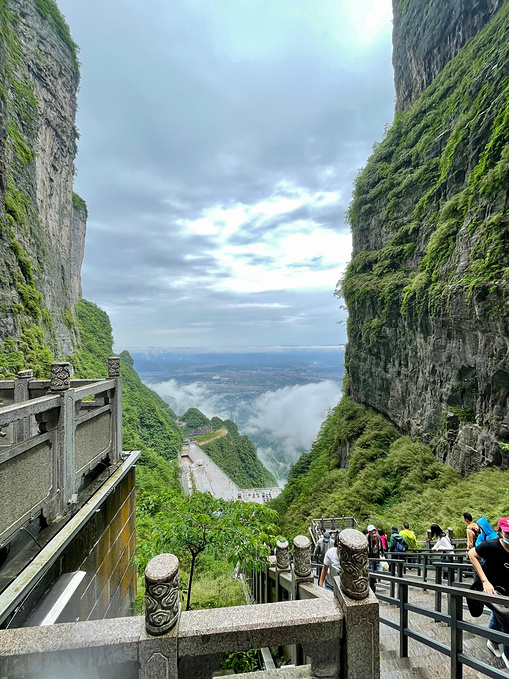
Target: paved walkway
point(424, 662)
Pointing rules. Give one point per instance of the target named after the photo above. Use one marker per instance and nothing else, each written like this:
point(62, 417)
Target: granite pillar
point(360, 653)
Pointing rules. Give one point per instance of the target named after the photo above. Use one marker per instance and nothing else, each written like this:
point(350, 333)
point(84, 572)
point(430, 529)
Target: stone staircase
point(424, 662)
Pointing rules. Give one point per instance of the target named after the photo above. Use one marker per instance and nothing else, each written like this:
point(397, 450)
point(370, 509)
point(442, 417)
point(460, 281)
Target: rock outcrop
point(427, 35)
point(428, 287)
point(42, 228)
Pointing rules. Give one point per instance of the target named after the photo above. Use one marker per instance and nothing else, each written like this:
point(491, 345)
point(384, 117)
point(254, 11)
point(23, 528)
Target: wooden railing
point(52, 434)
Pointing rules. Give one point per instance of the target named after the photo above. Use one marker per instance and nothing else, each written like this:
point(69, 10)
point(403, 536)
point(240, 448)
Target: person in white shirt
point(330, 566)
point(443, 544)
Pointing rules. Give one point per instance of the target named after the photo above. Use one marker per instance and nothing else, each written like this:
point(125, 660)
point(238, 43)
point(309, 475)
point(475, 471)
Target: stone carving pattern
point(302, 556)
point(60, 376)
point(282, 555)
point(114, 366)
point(162, 604)
point(25, 374)
point(353, 559)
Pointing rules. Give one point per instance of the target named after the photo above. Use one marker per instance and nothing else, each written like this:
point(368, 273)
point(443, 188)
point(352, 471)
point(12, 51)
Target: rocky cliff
point(428, 286)
point(427, 35)
point(42, 228)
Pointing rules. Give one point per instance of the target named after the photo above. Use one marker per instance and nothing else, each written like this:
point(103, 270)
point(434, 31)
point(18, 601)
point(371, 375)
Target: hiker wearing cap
point(494, 575)
point(323, 544)
point(375, 548)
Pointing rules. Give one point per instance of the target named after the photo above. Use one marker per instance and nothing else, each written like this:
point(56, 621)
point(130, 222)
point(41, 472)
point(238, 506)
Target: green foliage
point(148, 422)
point(242, 661)
point(67, 318)
point(27, 351)
point(385, 479)
point(49, 11)
point(79, 205)
point(194, 418)
point(433, 188)
point(238, 458)
point(21, 148)
point(235, 531)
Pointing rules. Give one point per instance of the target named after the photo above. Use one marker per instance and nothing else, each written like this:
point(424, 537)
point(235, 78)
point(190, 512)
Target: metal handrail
point(454, 618)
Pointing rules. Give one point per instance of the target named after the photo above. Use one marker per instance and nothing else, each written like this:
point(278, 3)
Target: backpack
point(400, 547)
point(487, 532)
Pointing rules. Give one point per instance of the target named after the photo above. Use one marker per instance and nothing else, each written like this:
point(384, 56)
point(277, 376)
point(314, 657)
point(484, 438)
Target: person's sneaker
point(495, 650)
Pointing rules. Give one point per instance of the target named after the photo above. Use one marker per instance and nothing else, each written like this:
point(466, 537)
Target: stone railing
point(336, 632)
point(52, 433)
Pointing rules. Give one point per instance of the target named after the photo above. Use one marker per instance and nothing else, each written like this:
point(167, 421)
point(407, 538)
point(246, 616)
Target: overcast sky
point(219, 143)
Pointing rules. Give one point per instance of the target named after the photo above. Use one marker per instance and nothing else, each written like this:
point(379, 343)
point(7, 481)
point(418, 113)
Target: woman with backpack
point(443, 544)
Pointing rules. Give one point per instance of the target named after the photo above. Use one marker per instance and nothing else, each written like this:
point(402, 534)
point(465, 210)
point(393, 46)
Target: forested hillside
point(361, 466)
point(237, 457)
point(148, 422)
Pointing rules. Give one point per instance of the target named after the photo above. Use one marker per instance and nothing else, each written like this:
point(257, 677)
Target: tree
point(238, 531)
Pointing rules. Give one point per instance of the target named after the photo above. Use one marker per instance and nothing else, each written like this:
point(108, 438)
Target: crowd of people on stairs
point(488, 550)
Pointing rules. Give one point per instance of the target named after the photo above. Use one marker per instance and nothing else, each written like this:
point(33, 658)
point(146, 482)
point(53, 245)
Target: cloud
point(219, 143)
point(180, 397)
point(292, 415)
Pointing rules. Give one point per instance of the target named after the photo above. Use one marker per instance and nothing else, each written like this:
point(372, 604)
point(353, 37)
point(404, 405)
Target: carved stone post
point(60, 376)
point(162, 601)
point(428, 537)
point(113, 366)
point(282, 555)
point(158, 644)
point(116, 408)
point(450, 534)
point(361, 644)
point(21, 428)
point(302, 557)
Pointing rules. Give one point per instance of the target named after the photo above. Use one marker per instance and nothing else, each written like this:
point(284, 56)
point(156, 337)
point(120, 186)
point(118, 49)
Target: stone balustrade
point(337, 635)
point(53, 432)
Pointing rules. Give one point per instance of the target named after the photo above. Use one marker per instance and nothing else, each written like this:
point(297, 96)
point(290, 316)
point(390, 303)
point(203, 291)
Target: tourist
point(409, 536)
point(375, 549)
point(383, 538)
point(490, 560)
point(398, 543)
point(473, 530)
point(322, 546)
point(330, 566)
point(443, 544)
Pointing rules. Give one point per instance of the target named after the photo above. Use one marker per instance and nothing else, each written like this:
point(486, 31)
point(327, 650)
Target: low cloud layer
point(219, 143)
point(293, 415)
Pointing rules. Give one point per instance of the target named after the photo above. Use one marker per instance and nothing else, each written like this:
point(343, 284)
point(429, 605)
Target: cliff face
point(42, 228)
point(428, 287)
point(427, 35)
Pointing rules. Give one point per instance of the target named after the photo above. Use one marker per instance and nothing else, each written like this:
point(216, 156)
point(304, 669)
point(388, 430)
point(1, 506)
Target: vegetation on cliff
point(361, 466)
point(238, 458)
point(148, 422)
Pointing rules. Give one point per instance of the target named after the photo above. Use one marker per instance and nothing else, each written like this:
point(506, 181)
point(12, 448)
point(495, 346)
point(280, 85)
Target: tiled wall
point(105, 548)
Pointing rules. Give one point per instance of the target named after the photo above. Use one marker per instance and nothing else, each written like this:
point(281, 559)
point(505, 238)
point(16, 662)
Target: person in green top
point(409, 536)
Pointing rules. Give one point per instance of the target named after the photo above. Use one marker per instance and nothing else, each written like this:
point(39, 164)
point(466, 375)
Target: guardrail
point(456, 604)
point(319, 526)
point(52, 434)
point(337, 632)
